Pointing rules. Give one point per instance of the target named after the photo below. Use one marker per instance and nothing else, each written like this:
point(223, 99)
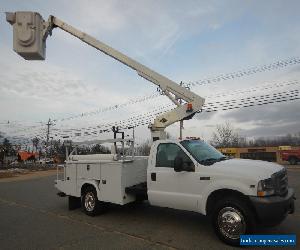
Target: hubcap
point(89, 201)
point(231, 222)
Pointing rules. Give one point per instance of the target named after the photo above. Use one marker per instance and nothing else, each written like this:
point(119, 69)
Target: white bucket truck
point(185, 174)
point(189, 175)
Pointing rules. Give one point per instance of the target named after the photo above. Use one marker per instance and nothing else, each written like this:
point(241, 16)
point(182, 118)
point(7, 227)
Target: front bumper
point(272, 210)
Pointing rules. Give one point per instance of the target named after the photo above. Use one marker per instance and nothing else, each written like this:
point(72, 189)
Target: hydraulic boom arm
point(30, 34)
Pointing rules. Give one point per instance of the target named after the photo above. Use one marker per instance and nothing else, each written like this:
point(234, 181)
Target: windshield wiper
point(223, 158)
point(208, 161)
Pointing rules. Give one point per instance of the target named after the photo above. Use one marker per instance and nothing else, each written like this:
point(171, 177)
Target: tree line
point(227, 136)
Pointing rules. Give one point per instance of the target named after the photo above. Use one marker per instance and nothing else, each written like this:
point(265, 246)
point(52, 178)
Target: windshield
point(203, 152)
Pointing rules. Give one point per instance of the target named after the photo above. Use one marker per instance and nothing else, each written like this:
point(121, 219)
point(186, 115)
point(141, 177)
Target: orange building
point(24, 155)
point(256, 153)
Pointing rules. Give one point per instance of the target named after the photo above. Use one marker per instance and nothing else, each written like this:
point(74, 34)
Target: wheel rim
point(231, 223)
point(89, 201)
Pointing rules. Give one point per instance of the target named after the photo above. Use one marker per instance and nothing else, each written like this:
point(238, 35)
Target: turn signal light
point(261, 193)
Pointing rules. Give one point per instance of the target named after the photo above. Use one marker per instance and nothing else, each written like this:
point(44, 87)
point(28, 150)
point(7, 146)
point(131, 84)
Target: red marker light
point(189, 107)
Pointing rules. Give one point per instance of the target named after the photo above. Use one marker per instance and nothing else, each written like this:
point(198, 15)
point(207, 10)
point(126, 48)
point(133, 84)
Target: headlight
point(265, 187)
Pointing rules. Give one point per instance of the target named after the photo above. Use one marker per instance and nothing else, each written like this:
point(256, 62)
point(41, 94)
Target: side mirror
point(190, 168)
point(178, 164)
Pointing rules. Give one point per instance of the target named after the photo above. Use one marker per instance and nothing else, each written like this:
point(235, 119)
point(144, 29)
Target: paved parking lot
point(33, 217)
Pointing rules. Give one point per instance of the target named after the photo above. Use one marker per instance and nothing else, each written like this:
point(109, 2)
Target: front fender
point(234, 185)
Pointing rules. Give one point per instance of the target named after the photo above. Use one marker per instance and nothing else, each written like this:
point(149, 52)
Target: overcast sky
point(183, 40)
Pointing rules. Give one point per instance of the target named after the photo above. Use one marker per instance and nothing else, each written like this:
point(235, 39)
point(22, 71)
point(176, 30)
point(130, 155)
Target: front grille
point(281, 182)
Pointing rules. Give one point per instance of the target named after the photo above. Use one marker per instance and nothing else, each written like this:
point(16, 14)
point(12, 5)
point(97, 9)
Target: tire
point(89, 202)
point(232, 217)
point(293, 160)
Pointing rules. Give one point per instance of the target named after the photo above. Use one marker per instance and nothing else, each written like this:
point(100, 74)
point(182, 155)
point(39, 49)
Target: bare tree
point(96, 149)
point(144, 148)
point(8, 149)
point(274, 141)
point(225, 136)
point(35, 143)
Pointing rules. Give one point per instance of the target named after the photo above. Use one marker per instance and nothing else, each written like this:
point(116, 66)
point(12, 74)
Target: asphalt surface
point(32, 216)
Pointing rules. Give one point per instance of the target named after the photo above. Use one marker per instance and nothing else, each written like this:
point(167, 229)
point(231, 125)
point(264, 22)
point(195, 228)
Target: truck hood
point(254, 169)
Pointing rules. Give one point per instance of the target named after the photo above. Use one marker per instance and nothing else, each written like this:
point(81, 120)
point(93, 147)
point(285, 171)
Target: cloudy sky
point(183, 40)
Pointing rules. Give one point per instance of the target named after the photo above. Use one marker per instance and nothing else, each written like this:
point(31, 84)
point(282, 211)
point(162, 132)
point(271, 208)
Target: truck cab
point(238, 194)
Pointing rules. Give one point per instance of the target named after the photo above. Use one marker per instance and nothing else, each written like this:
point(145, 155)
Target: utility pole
point(48, 135)
point(48, 131)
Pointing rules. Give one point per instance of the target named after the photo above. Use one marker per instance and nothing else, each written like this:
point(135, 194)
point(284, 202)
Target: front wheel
point(231, 218)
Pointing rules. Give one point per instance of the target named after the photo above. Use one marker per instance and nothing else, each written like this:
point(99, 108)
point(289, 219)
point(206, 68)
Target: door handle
point(153, 176)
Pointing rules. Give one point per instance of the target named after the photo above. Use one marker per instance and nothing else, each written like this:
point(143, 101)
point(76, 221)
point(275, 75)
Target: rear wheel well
point(85, 187)
point(90, 203)
point(220, 194)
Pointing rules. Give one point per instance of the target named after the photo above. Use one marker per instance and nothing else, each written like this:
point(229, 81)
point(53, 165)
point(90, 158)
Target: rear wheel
point(89, 202)
point(231, 218)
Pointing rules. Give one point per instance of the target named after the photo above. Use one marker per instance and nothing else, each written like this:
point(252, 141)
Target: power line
point(247, 72)
point(155, 95)
point(90, 113)
point(147, 117)
point(253, 101)
point(111, 108)
point(264, 87)
point(222, 77)
point(206, 108)
point(268, 86)
point(279, 97)
point(227, 105)
point(106, 127)
point(215, 79)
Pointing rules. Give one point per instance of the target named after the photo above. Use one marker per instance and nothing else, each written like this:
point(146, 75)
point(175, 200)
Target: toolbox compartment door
point(111, 183)
point(89, 171)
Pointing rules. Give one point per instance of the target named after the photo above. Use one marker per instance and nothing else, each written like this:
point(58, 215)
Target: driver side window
point(166, 154)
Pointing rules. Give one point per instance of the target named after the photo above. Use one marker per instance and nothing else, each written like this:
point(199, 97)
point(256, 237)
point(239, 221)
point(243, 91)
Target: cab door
point(168, 188)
